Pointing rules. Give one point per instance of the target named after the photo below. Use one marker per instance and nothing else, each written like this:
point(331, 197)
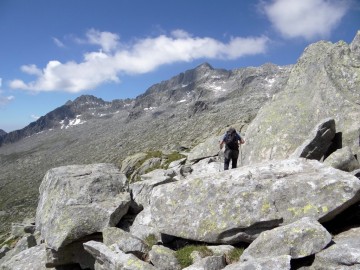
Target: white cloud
point(308, 19)
point(145, 55)
point(4, 100)
point(108, 41)
point(34, 117)
point(58, 42)
point(31, 69)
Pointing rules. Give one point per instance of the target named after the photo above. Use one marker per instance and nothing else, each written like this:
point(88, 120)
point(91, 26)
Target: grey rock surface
point(79, 200)
point(108, 258)
point(318, 142)
point(237, 205)
point(208, 263)
point(343, 159)
point(343, 254)
point(32, 258)
point(323, 83)
point(163, 258)
point(300, 239)
point(125, 241)
point(208, 148)
point(142, 226)
point(268, 263)
point(141, 190)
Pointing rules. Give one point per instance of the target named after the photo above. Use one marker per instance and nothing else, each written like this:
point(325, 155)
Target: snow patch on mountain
point(66, 123)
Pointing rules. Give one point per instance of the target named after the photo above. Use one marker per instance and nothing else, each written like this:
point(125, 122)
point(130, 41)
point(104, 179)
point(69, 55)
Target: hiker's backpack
point(231, 139)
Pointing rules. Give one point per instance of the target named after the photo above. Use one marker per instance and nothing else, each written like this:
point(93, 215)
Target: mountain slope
point(181, 111)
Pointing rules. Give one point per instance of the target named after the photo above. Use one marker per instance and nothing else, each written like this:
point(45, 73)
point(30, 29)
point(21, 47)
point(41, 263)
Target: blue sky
point(52, 51)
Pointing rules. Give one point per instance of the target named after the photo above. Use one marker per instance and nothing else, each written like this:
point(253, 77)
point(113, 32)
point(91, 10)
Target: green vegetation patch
point(234, 255)
point(150, 240)
point(183, 254)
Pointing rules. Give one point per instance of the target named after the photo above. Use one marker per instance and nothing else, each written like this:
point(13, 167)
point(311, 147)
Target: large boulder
point(299, 239)
point(32, 258)
point(163, 258)
point(208, 148)
point(110, 258)
point(343, 254)
point(125, 241)
point(319, 140)
point(268, 263)
point(236, 205)
point(79, 200)
point(141, 190)
point(324, 83)
point(343, 159)
point(208, 263)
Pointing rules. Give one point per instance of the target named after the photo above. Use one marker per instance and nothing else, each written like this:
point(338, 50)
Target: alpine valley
point(299, 166)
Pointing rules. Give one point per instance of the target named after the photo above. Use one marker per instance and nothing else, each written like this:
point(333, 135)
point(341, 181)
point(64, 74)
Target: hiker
point(231, 139)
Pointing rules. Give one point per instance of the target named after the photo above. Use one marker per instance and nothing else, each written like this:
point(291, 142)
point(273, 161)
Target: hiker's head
point(231, 130)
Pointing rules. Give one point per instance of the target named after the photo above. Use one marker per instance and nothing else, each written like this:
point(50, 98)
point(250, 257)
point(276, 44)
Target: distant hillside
point(174, 114)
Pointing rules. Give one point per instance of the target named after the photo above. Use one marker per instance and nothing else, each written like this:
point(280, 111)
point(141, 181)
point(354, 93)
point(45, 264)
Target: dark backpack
point(231, 139)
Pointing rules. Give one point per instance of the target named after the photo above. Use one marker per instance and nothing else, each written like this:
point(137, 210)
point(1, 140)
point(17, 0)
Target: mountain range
point(180, 113)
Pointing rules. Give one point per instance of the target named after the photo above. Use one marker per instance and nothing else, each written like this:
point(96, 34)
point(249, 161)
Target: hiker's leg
point(234, 163)
point(234, 159)
point(227, 158)
point(226, 163)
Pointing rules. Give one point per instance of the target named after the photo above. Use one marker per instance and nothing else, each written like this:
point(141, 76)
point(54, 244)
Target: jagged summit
point(2, 132)
point(204, 66)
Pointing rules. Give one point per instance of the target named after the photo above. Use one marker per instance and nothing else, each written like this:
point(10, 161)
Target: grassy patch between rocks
point(234, 255)
point(183, 255)
point(151, 240)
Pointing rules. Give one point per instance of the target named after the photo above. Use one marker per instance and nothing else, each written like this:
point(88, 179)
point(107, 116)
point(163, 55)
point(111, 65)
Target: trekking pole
point(240, 145)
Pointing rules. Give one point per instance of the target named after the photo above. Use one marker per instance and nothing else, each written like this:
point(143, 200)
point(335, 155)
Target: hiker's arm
point(222, 144)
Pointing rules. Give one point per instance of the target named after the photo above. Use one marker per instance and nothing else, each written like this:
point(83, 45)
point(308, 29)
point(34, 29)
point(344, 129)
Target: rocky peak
point(355, 44)
point(86, 101)
point(2, 132)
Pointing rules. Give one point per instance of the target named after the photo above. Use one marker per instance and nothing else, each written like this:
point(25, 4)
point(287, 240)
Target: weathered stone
point(343, 159)
point(73, 253)
point(208, 148)
point(356, 173)
point(32, 258)
point(26, 242)
point(205, 166)
point(163, 258)
point(76, 201)
point(130, 164)
point(236, 205)
point(208, 263)
point(344, 254)
point(299, 239)
point(141, 190)
point(110, 258)
point(20, 229)
point(324, 83)
point(3, 250)
point(222, 250)
point(142, 226)
point(318, 142)
point(268, 263)
point(125, 241)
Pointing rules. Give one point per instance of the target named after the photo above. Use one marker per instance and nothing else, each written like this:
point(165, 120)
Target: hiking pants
point(230, 155)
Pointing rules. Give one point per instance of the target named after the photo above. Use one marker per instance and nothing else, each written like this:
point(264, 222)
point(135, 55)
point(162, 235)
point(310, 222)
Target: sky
point(52, 51)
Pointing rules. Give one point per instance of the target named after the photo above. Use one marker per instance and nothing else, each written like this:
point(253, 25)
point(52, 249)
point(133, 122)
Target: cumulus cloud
point(307, 19)
point(142, 56)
